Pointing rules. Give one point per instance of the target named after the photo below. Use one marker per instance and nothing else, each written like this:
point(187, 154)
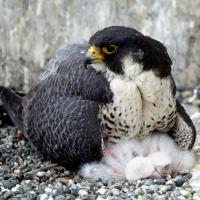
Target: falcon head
point(125, 51)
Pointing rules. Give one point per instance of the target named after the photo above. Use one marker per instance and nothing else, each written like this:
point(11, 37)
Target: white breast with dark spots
point(139, 107)
point(124, 115)
point(159, 103)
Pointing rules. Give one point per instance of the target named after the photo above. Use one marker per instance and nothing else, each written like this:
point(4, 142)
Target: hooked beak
point(93, 55)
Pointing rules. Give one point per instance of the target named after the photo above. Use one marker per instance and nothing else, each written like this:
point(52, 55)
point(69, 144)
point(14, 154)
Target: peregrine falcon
point(138, 69)
point(119, 86)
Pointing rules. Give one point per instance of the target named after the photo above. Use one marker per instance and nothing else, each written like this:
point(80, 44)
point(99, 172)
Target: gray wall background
point(31, 31)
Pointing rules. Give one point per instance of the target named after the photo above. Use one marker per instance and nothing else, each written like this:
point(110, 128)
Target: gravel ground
point(25, 175)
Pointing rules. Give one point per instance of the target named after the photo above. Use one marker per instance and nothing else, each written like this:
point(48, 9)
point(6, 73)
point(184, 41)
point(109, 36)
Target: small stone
point(48, 190)
point(17, 171)
point(179, 181)
point(17, 188)
point(7, 194)
point(159, 181)
point(102, 191)
point(31, 195)
point(74, 191)
point(67, 190)
point(7, 184)
point(185, 193)
point(149, 191)
point(64, 180)
point(48, 173)
point(149, 182)
point(70, 197)
point(49, 198)
point(163, 189)
point(100, 198)
point(43, 197)
point(187, 93)
point(170, 187)
point(142, 198)
point(4, 169)
point(115, 192)
point(41, 174)
point(58, 191)
point(60, 197)
point(181, 198)
point(170, 182)
point(27, 181)
point(138, 191)
point(70, 182)
point(83, 194)
point(153, 187)
point(187, 176)
point(125, 190)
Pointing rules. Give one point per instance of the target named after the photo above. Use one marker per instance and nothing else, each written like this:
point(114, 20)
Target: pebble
point(41, 174)
point(70, 197)
point(187, 93)
point(59, 184)
point(102, 191)
point(163, 189)
point(142, 198)
point(115, 192)
point(58, 191)
point(17, 188)
point(149, 182)
point(181, 198)
point(7, 195)
point(60, 197)
point(83, 194)
point(139, 191)
point(8, 183)
point(149, 190)
point(159, 181)
point(153, 187)
point(74, 191)
point(179, 180)
point(31, 195)
point(185, 193)
point(43, 197)
point(48, 190)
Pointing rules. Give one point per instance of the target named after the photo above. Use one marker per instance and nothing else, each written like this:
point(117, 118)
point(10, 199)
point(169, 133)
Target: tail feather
point(13, 105)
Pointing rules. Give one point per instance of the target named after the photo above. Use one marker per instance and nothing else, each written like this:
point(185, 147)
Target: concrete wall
point(31, 31)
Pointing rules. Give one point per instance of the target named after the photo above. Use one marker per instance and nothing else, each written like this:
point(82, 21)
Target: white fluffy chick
point(180, 159)
point(155, 165)
point(139, 167)
point(155, 156)
point(117, 156)
point(113, 165)
point(101, 171)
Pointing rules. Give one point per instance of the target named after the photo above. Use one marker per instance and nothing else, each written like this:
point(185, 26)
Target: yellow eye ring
point(110, 49)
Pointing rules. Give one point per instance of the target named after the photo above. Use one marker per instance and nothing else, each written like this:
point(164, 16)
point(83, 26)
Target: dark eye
point(110, 49)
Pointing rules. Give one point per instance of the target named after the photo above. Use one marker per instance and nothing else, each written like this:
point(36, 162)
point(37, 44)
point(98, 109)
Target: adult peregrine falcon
point(138, 69)
point(119, 86)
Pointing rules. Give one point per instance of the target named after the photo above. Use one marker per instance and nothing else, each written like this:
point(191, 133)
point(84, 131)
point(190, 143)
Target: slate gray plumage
point(60, 114)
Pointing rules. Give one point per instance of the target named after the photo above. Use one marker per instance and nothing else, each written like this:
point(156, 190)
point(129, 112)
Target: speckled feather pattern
point(139, 107)
point(61, 112)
